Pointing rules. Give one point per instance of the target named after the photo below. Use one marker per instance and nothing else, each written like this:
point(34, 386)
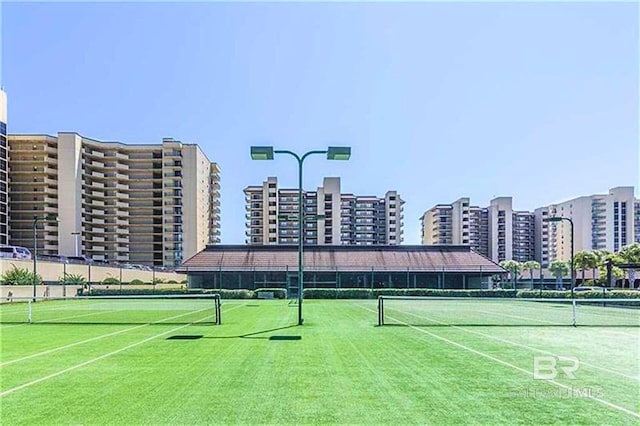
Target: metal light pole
point(333, 153)
point(77, 236)
point(573, 271)
point(45, 218)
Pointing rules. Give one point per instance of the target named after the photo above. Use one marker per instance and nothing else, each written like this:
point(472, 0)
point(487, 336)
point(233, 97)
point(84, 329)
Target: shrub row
point(141, 291)
point(363, 293)
point(591, 294)
point(278, 293)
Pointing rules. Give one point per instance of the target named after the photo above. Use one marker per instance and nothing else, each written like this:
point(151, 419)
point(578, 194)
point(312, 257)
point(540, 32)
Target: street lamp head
point(339, 153)
point(262, 153)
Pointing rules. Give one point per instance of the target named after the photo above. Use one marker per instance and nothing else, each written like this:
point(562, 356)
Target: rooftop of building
point(113, 144)
point(398, 258)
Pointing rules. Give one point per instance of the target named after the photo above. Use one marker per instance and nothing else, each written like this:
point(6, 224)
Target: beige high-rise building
point(4, 171)
point(438, 226)
point(147, 204)
point(496, 231)
point(330, 216)
point(601, 222)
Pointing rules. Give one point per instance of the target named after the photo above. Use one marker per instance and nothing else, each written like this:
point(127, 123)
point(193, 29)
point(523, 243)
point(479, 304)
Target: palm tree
point(630, 254)
point(601, 256)
point(559, 268)
point(514, 269)
point(585, 259)
point(531, 265)
point(617, 272)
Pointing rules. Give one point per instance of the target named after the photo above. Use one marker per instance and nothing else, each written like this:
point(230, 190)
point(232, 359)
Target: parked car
point(60, 258)
point(585, 288)
point(53, 258)
point(80, 259)
point(15, 252)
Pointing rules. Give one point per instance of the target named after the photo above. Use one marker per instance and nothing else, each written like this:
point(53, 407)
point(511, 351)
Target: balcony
point(94, 154)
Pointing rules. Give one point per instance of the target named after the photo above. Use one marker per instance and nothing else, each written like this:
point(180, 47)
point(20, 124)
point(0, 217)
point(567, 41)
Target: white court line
point(515, 343)
point(91, 361)
point(94, 339)
point(507, 364)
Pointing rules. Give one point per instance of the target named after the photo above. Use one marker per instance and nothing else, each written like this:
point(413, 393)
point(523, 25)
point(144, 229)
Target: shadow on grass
point(185, 337)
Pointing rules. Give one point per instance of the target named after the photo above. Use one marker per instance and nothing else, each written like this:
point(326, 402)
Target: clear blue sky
point(538, 101)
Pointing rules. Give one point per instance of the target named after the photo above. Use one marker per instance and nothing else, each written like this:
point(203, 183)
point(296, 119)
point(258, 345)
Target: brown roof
point(343, 258)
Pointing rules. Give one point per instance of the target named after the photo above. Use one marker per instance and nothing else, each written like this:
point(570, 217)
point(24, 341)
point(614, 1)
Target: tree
point(559, 268)
point(585, 259)
point(19, 276)
point(111, 281)
point(73, 279)
point(531, 265)
point(514, 269)
point(603, 257)
point(630, 254)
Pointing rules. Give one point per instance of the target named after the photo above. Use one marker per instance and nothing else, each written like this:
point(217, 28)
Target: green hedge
point(278, 293)
point(337, 293)
point(434, 292)
point(143, 292)
point(591, 294)
point(224, 294)
point(544, 294)
point(235, 294)
point(363, 293)
point(623, 294)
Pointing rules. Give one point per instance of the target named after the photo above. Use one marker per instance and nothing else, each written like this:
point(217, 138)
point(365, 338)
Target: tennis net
point(442, 311)
point(201, 309)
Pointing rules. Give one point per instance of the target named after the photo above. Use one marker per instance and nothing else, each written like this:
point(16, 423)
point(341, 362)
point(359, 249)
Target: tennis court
point(434, 362)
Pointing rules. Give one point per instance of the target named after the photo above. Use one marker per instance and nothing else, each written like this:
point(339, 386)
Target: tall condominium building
point(601, 222)
point(4, 171)
point(497, 231)
point(636, 221)
point(330, 217)
point(150, 204)
point(439, 227)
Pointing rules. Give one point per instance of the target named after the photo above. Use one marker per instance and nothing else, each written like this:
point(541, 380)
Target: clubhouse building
point(400, 266)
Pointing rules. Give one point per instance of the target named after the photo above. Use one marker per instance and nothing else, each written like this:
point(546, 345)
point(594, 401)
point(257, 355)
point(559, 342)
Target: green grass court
point(436, 362)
